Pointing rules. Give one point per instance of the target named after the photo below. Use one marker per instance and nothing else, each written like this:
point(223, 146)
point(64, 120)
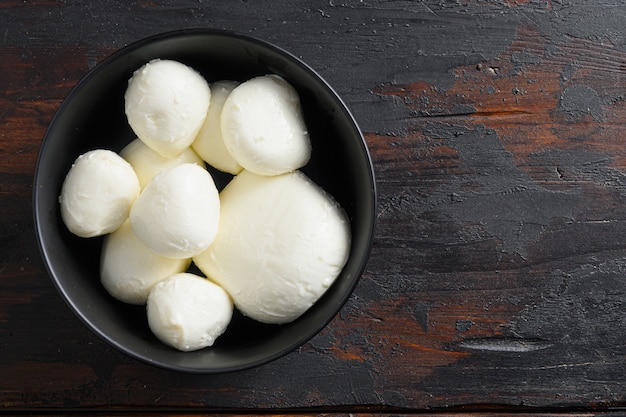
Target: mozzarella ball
point(263, 127)
point(188, 312)
point(282, 243)
point(147, 163)
point(97, 193)
point(209, 143)
point(166, 103)
point(177, 214)
point(129, 269)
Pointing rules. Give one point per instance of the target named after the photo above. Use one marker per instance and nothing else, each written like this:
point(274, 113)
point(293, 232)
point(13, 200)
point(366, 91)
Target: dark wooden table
point(497, 279)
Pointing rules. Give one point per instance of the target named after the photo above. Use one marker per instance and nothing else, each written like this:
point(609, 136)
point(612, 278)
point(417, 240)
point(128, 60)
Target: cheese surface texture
point(209, 143)
point(263, 126)
point(177, 214)
point(188, 312)
point(129, 269)
point(97, 193)
point(282, 242)
point(166, 103)
point(147, 162)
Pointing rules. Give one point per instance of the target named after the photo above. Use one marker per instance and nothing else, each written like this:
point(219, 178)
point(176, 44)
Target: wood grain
point(496, 281)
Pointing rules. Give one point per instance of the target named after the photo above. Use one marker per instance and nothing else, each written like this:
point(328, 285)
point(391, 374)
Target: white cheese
point(129, 269)
point(97, 193)
point(177, 214)
point(188, 312)
point(263, 126)
point(209, 143)
point(166, 103)
point(147, 163)
point(282, 242)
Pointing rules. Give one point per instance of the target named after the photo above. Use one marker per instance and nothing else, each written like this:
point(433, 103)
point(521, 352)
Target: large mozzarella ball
point(282, 243)
point(129, 269)
point(263, 126)
point(177, 214)
point(188, 312)
point(166, 103)
point(209, 143)
point(147, 162)
point(97, 193)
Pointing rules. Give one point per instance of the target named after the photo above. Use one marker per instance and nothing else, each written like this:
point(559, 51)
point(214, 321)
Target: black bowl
point(93, 117)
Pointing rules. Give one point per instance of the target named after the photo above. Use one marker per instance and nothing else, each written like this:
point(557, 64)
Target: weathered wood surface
point(497, 280)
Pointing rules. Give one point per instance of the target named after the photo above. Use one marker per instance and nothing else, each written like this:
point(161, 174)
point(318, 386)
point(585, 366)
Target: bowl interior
point(93, 117)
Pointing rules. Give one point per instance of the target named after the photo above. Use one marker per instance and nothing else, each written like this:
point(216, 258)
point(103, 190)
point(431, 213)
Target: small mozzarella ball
point(188, 312)
point(129, 269)
point(282, 243)
point(209, 143)
point(177, 214)
point(97, 193)
point(147, 163)
point(263, 127)
point(166, 103)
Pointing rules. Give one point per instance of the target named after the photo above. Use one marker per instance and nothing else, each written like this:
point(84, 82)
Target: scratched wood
point(497, 280)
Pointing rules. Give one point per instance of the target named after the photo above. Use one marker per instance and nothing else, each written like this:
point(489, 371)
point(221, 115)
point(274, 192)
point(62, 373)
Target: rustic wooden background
point(497, 279)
